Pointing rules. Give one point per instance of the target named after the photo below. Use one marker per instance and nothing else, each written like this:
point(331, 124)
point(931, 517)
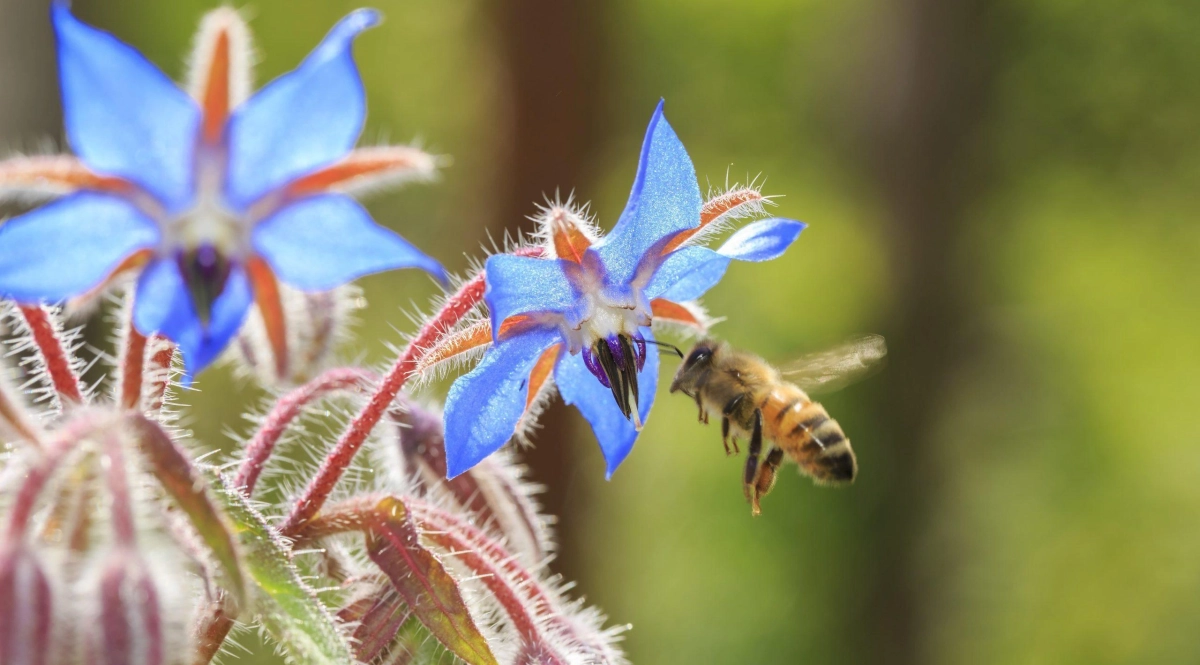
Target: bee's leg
point(756, 439)
point(703, 415)
point(766, 477)
point(725, 437)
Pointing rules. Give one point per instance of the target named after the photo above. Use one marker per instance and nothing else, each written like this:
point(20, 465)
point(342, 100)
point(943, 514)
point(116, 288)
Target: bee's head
point(695, 366)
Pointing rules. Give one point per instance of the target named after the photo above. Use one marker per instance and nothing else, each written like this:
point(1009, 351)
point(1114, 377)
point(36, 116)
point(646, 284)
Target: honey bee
point(755, 402)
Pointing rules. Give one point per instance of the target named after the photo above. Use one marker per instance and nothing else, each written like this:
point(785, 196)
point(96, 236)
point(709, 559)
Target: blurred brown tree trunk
point(931, 83)
point(28, 106)
point(552, 51)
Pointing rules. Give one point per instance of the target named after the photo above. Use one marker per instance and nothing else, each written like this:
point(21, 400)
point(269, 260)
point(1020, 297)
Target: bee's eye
point(698, 356)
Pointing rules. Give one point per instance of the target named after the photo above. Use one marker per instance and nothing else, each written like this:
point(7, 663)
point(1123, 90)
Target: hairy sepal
point(183, 483)
point(288, 608)
point(394, 544)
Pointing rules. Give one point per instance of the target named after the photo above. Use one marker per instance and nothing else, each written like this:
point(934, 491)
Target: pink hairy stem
point(54, 354)
point(212, 627)
point(456, 307)
point(286, 409)
point(158, 368)
point(475, 538)
point(461, 536)
point(133, 365)
point(468, 551)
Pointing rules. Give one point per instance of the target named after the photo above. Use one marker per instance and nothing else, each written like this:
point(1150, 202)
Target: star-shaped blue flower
point(212, 195)
point(586, 314)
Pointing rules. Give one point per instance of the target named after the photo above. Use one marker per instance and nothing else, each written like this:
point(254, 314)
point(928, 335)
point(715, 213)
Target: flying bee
point(755, 402)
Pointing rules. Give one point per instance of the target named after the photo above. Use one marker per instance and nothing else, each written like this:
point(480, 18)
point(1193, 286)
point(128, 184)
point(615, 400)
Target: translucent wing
point(838, 367)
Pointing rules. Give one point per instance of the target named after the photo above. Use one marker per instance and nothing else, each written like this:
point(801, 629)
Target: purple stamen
point(614, 345)
point(205, 271)
point(615, 362)
point(593, 365)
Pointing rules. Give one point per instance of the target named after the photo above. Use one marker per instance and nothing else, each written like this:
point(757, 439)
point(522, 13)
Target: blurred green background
point(1008, 191)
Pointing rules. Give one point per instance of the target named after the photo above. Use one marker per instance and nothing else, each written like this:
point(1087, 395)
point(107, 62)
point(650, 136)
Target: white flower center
point(209, 222)
point(606, 315)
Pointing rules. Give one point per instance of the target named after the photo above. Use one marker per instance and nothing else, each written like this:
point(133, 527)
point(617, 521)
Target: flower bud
point(131, 621)
point(26, 612)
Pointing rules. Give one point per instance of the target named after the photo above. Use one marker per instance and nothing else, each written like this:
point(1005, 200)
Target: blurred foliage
point(1069, 442)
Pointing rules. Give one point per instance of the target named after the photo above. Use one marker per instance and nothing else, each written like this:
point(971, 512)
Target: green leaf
point(289, 609)
point(182, 480)
point(393, 543)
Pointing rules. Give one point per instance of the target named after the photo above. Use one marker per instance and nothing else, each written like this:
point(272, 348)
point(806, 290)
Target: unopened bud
point(26, 612)
point(131, 622)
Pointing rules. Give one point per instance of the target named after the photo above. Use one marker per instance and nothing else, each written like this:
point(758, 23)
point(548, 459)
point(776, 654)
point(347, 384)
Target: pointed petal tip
point(363, 18)
point(352, 25)
point(611, 466)
point(763, 240)
point(454, 469)
point(60, 12)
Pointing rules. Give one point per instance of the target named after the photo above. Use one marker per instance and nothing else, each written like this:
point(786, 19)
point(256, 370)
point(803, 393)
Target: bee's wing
point(838, 367)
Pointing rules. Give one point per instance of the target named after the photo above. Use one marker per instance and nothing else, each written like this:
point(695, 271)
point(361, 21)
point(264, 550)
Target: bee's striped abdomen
point(804, 430)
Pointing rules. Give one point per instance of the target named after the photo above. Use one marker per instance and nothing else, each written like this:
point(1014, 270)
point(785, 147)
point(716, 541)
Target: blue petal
point(665, 200)
point(162, 305)
point(123, 115)
point(521, 285)
point(69, 246)
point(687, 274)
point(305, 119)
point(483, 407)
point(613, 430)
point(763, 240)
point(325, 241)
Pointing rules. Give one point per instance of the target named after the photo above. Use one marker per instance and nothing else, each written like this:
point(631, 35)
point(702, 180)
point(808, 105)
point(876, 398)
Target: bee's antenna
point(668, 347)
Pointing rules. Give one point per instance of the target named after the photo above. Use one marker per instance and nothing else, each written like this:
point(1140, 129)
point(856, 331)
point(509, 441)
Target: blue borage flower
point(212, 194)
point(585, 315)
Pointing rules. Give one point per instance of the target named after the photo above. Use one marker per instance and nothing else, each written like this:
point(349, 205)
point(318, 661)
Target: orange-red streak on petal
point(477, 335)
point(667, 310)
point(363, 163)
point(569, 240)
point(270, 305)
point(469, 338)
point(216, 91)
point(714, 209)
point(60, 172)
point(132, 263)
point(538, 376)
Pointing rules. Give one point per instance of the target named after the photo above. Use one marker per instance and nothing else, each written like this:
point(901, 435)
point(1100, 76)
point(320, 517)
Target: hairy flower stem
point(132, 367)
point(456, 307)
point(286, 409)
point(158, 371)
point(458, 535)
point(212, 627)
point(54, 355)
